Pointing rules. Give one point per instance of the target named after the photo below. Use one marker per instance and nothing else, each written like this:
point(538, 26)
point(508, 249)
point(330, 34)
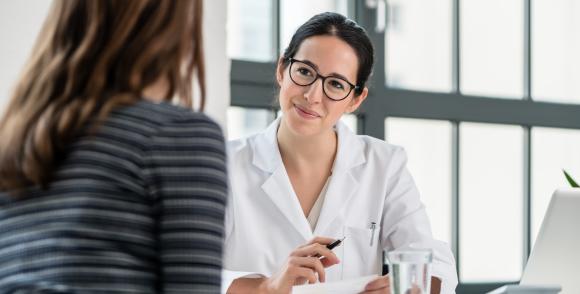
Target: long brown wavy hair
point(90, 57)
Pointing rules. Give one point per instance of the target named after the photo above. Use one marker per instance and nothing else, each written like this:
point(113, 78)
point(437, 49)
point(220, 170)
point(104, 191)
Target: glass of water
point(410, 271)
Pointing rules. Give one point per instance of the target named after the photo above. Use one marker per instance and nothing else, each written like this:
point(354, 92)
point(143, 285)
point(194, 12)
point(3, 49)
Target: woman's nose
point(315, 92)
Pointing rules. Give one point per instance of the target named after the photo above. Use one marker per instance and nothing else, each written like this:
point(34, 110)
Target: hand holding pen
point(305, 264)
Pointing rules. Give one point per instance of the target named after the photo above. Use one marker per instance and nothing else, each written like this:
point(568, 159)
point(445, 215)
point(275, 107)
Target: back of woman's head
point(334, 24)
point(90, 57)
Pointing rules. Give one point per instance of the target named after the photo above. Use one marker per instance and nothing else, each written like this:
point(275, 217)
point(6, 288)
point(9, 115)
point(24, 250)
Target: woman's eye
point(304, 71)
point(337, 85)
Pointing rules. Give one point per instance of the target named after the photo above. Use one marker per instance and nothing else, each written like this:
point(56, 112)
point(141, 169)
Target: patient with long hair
point(109, 182)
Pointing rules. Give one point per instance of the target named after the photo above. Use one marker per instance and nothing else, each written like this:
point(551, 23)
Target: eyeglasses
point(303, 74)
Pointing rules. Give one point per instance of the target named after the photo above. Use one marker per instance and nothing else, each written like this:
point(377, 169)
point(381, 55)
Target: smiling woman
point(307, 180)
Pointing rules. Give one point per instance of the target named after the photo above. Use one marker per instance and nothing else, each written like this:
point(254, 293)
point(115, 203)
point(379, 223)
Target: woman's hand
point(305, 264)
point(380, 285)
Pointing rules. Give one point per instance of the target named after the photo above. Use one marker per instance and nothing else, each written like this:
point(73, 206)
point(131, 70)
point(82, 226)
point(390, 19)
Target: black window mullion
point(455, 244)
point(527, 132)
point(276, 29)
point(252, 84)
point(456, 58)
point(456, 88)
point(373, 118)
point(527, 219)
point(459, 107)
point(527, 49)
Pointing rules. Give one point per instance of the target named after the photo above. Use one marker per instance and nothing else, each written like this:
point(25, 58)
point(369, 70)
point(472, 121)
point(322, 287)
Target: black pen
point(331, 246)
point(335, 243)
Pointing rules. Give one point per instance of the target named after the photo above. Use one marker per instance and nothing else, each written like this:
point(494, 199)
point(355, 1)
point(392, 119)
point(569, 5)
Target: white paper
point(350, 286)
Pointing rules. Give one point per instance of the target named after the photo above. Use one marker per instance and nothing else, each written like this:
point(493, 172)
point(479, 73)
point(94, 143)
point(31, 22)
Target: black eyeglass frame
point(319, 76)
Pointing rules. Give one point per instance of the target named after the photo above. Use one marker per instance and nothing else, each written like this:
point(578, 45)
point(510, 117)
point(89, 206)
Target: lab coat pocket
point(360, 251)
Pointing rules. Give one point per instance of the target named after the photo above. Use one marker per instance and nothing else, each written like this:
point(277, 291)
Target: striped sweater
point(136, 208)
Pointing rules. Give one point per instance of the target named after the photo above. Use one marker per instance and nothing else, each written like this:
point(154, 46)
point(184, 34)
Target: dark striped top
point(137, 208)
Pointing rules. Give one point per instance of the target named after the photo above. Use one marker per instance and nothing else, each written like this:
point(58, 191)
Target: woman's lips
point(309, 114)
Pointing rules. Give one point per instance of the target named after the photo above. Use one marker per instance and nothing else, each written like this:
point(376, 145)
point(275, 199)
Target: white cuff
point(228, 278)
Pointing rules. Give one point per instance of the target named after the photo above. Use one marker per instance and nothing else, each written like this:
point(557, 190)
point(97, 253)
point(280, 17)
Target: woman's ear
point(280, 71)
point(357, 100)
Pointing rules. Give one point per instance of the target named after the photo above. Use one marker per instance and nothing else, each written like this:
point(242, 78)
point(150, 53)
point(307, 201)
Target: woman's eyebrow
point(332, 74)
point(310, 63)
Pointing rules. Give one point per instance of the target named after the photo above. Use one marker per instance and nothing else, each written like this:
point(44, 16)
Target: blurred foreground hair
point(90, 57)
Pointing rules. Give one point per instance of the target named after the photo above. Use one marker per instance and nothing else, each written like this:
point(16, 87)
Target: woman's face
point(307, 110)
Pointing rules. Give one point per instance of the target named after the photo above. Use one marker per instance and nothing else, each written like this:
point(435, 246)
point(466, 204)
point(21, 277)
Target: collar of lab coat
point(342, 185)
point(266, 154)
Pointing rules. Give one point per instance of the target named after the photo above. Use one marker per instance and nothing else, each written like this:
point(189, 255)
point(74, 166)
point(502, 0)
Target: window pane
point(250, 30)
point(556, 50)
point(491, 202)
point(243, 122)
point(418, 44)
point(428, 146)
point(296, 12)
point(492, 47)
point(552, 151)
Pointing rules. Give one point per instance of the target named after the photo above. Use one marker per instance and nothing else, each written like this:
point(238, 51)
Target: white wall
point(21, 20)
point(217, 62)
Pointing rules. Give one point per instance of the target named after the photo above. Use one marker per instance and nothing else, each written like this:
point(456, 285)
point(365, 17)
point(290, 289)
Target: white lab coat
point(369, 183)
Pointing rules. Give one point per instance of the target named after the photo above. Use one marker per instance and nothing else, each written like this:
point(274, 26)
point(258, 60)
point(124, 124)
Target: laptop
point(555, 258)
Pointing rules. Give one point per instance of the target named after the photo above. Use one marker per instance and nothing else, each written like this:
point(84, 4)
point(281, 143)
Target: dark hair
point(90, 57)
point(334, 24)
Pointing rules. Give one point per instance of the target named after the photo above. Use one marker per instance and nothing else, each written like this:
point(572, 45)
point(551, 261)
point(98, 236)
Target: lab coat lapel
point(279, 191)
point(277, 186)
point(343, 184)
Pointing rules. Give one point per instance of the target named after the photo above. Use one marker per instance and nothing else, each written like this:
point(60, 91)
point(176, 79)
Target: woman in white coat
point(308, 180)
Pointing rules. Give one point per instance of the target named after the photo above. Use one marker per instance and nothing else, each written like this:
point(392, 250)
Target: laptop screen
point(555, 258)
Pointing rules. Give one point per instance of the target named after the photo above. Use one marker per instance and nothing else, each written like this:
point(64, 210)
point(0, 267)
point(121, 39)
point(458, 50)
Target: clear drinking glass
point(410, 271)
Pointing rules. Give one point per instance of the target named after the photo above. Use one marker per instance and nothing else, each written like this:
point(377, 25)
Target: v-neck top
point(315, 211)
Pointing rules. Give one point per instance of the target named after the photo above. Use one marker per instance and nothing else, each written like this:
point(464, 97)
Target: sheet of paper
point(350, 286)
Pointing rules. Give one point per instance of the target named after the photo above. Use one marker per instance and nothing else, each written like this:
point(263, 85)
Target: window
point(422, 139)
point(293, 13)
point(491, 48)
point(247, 121)
point(414, 26)
point(556, 51)
point(491, 203)
point(394, 17)
point(251, 28)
